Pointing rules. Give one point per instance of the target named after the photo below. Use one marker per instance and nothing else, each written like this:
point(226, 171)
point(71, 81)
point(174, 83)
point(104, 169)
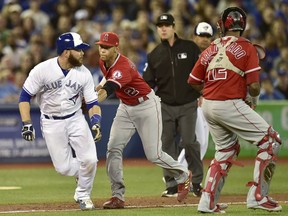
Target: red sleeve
point(121, 75)
point(197, 75)
point(252, 66)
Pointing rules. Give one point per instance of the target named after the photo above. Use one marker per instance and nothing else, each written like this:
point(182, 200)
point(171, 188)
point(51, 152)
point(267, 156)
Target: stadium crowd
point(29, 28)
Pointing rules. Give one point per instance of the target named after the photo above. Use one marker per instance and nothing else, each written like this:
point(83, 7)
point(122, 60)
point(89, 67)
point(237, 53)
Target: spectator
point(14, 15)
point(40, 17)
point(12, 50)
point(267, 90)
point(11, 90)
point(29, 28)
point(282, 81)
point(4, 31)
point(282, 12)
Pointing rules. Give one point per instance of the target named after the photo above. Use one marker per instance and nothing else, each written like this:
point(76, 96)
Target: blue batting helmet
point(70, 40)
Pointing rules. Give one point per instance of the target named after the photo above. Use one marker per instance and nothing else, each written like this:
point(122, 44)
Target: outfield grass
point(44, 185)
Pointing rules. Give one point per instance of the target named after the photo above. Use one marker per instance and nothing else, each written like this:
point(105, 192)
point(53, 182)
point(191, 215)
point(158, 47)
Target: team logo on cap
point(106, 37)
point(205, 28)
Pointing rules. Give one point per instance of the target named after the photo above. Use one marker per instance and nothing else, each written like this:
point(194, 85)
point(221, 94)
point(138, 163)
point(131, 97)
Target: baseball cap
point(108, 39)
point(165, 18)
point(203, 29)
point(70, 40)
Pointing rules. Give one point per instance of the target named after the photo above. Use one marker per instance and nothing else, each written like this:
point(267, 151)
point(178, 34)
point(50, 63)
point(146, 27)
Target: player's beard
point(74, 62)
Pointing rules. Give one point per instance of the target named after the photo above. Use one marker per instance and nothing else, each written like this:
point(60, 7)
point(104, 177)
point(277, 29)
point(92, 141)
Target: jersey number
point(131, 91)
point(217, 74)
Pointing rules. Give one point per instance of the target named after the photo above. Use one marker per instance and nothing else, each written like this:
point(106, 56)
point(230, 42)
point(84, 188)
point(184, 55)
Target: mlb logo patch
point(164, 17)
point(182, 55)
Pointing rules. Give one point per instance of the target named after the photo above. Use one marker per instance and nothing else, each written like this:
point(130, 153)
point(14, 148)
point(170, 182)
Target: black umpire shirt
point(168, 68)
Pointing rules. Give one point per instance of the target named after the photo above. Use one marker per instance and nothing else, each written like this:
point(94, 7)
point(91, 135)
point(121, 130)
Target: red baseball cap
point(108, 39)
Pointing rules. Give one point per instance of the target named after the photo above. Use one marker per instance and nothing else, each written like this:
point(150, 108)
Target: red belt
point(139, 100)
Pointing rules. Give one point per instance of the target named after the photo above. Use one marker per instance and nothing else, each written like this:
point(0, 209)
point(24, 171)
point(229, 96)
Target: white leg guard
point(216, 176)
point(263, 172)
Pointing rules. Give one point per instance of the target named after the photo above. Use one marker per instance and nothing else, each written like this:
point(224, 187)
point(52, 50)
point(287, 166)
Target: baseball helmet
point(70, 40)
point(232, 19)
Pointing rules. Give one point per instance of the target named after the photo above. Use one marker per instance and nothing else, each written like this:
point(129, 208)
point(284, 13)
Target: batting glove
point(28, 132)
point(96, 127)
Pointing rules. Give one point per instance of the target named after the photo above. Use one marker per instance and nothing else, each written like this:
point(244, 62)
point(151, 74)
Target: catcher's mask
point(70, 40)
point(232, 19)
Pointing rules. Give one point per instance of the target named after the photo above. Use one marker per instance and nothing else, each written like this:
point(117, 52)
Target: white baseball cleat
point(267, 203)
point(85, 203)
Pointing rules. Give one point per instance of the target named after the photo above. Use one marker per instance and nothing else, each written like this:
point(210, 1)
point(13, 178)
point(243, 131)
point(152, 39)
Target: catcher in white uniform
point(60, 84)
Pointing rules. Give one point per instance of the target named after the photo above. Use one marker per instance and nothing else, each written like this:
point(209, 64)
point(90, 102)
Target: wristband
point(95, 119)
point(26, 122)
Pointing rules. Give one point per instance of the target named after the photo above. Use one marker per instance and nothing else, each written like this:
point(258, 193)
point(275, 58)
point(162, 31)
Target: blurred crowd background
point(29, 28)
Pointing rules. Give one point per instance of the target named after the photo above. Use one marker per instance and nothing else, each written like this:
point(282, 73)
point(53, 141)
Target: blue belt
point(59, 117)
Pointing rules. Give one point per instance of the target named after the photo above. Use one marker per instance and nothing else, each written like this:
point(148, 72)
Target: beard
point(74, 62)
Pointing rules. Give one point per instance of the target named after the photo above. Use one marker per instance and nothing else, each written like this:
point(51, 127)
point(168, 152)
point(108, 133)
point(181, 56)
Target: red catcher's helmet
point(232, 19)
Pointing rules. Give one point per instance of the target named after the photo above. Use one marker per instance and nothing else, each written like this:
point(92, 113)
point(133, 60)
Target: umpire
point(167, 70)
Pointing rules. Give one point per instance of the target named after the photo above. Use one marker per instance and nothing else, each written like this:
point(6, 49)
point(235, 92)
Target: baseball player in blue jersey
point(60, 84)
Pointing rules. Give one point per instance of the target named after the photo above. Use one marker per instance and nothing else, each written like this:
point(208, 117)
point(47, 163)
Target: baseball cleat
point(86, 204)
point(219, 209)
point(170, 192)
point(184, 188)
point(114, 203)
point(267, 203)
point(196, 189)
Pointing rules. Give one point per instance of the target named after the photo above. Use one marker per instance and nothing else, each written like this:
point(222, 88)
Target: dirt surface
point(135, 202)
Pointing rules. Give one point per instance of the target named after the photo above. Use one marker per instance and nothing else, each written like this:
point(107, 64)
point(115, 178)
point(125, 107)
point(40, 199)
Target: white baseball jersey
point(56, 93)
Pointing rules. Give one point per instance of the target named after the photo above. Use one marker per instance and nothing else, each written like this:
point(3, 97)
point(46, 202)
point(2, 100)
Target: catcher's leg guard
point(263, 172)
point(215, 178)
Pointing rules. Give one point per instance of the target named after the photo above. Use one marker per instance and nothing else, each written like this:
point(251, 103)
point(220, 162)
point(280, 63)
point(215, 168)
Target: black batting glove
point(28, 132)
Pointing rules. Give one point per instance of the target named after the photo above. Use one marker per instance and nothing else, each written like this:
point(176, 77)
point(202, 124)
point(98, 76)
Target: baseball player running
point(228, 69)
point(140, 110)
point(60, 84)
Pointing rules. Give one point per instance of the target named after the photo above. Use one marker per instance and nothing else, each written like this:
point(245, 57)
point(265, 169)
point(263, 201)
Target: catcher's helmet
point(232, 19)
point(70, 40)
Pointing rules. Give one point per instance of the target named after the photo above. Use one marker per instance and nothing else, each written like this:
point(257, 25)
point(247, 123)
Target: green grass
point(44, 185)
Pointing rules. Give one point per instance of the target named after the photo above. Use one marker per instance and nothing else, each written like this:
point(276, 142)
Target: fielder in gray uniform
point(226, 71)
point(60, 84)
point(140, 110)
